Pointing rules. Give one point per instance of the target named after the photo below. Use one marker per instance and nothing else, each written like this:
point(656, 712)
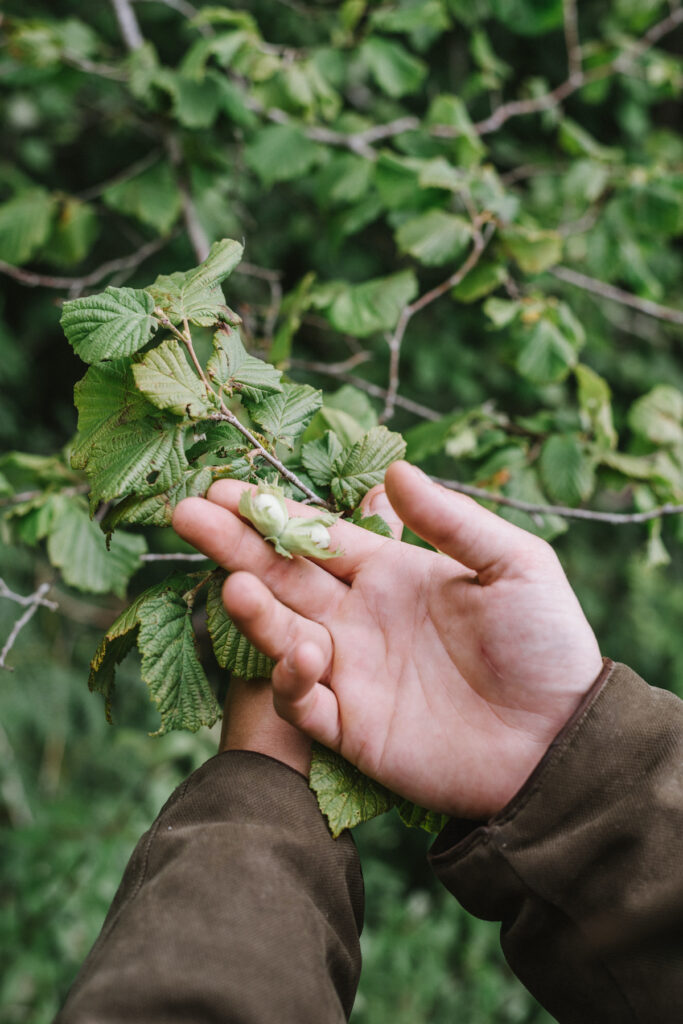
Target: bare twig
point(330, 370)
point(181, 6)
point(610, 291)
point(563, 511)
point(21, 496)
point(394, 341)
point(571, 36)
point(226, 416)
point(179, 557)
point(24, 600)
point(76, 285)
point(33, 603)
point(128, 24)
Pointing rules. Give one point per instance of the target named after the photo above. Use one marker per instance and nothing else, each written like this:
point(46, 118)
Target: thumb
point(456, 524)
point(376, 503)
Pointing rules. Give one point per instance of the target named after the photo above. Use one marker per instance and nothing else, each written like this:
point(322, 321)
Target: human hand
point(444, 678)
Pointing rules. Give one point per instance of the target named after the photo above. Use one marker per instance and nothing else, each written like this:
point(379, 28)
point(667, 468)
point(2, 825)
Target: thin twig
point(330, 370)
point(226, 416)
point(610, 291)
point(128, 24)
point(179, 557)
point(25, 600)
point(571, 36)
point(21, 496)
point(394, 341)
point(563, 511)
point(35, 602)
point(76, 285)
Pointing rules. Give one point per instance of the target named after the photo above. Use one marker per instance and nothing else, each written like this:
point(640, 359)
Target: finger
point(302, 700)
point(376, 503)
point(270, 625)
point(356, 543)
point(229, 541)
point(458, 525)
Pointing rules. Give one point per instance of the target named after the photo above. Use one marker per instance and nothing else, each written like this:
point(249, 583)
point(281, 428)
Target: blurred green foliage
point(266, 124)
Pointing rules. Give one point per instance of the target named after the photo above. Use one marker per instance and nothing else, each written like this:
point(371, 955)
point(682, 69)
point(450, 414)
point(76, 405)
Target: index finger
point(356, 543)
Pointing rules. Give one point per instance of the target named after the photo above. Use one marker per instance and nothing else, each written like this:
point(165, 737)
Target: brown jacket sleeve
point(584, 867)
point(236, 907)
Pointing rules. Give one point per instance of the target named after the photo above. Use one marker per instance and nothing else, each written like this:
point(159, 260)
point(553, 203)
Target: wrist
point(251, 723)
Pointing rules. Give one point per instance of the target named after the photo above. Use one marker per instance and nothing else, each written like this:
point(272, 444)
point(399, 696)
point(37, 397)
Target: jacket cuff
point(583, 867)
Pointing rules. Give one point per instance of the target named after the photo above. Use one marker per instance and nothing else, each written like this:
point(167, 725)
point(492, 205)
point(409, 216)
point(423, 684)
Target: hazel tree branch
point(76, 285)
point(571, 36)
point(563, 511)
point(33, 602)
point(610, 291)
point(395, 340)
point(128, 24)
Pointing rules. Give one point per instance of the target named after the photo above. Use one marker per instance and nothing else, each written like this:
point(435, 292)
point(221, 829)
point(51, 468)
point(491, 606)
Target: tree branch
point(179, 557)
point(32, 604)
point(76, 285)
point(332, 370)
point(394, 341)
point(128, 24)
point(563, 511)
point(571, 36)
point(610, 291)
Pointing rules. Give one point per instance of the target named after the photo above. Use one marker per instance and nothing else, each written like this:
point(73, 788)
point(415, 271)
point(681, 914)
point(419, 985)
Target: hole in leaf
point(152, 477)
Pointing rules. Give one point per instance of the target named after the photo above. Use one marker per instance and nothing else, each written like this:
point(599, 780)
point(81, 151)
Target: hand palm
point(444, 683)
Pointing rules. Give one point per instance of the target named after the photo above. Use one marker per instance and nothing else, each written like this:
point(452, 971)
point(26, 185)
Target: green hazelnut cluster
point(265, 509)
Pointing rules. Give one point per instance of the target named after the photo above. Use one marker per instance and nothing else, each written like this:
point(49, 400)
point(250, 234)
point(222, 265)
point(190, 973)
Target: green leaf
point(393, 68)
point(293, 307)
point(281, 152)
point(345, 796)
point(170, 666)
point(285, 415)
point(123, 443)
point(77, 546)
point(346, 427)
point(567, 471)
point(196, 294)
point(157, 509)
point(451, 111)
point(440, 173)
point(373, 523)
point(418, 817)
point(152, 197)
point(354, 403)
point(318, 457)
point(545, 355)
point(25, 222)
point(528, 17)
point(232, 649)
point(363, 309)
point(73, 232)
point(196, 102)
point(532, 249)
point(234, 369)
point(595, 403)
point(429, 437)
point(480, 281)
point(502, 311)
point(165, 377)
point(360, 467)
point(115, 322)
point(434, 237)
point(658, 415)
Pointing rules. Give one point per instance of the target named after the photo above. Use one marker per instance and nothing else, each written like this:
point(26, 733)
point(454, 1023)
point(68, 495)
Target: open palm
point(444, 678)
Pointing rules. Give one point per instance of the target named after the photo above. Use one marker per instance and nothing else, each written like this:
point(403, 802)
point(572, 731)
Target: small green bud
point(291, 535)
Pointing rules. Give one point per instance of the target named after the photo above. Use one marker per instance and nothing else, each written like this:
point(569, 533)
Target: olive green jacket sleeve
point(236, 907)
point(584, 867)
